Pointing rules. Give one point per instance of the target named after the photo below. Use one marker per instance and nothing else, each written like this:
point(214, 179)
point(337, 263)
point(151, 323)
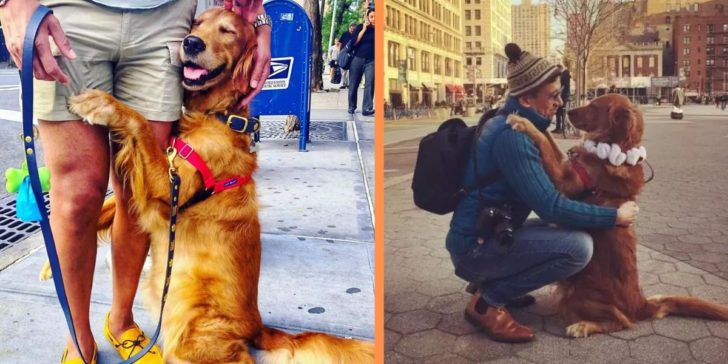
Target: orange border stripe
point(379, 181)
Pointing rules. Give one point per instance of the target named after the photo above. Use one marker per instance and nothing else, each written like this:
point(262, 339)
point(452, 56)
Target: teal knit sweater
point(525, 185)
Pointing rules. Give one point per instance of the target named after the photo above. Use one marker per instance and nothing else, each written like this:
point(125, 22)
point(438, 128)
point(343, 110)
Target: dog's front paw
point(45, 272)
point(577, 330)
point(517, 123)
point(95, 107)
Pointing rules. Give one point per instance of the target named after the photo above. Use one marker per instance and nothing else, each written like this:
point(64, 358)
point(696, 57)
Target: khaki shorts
point(133, 54)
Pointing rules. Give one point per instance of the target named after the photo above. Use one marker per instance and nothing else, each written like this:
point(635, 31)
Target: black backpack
point(441, 160)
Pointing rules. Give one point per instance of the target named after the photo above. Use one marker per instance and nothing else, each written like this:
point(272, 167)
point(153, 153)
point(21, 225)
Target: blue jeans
point(361, 68)
point(539, 255)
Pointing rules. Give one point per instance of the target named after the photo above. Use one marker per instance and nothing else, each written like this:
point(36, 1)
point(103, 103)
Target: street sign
point(287, 90)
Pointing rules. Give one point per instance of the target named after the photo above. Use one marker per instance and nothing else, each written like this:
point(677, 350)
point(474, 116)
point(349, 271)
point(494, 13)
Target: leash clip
point(171, 155)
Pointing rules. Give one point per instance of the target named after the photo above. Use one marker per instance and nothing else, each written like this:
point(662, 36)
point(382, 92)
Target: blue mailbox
point(287, 90)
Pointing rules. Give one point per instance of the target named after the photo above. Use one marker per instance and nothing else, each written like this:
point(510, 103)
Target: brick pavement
point(683, 250)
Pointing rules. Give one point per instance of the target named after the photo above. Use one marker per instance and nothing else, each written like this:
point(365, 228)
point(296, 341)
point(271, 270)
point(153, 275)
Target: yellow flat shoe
point(131, 342)
point(77, 360)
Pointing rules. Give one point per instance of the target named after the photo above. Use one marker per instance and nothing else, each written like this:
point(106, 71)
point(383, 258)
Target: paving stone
point(404, 302)
point(681, 279)
point(544, 348)
point(391, 339)
point(508, 361)
point(658, 349)
point(440, 287)
point(447, 359)
point(456, 324)
point(647, 279)
point(393, 357)
point(398, 285)
point(448, 304)
point(479, 347)
point(664, 290)
point(642, 328)
point(710, 350)
point(426, 343)
point(715, 281)
point(657, 267)
point(600, 349)
point(413, 321)
point(680, 328)
point(712, 293)
point(718, 328)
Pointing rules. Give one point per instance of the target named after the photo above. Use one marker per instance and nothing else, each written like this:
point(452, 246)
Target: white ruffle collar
point(614, 153)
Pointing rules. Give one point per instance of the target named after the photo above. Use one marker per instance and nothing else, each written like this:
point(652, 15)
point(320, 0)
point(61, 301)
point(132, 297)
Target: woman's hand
point(627, 213)
point(248, 9)
point(15, 16)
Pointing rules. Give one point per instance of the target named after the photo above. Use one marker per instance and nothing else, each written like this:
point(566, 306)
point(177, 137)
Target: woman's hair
point(370, 11)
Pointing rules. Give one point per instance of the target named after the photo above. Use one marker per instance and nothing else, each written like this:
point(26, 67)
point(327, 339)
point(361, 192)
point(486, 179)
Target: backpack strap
point(489, 179)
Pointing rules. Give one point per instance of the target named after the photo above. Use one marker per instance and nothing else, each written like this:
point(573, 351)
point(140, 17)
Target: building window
point(477, 30)
point(710, 40)
point(468, 31)
point(467, 14)
point(425, 60)
point(468, 61)
point(478, 61)
point(686, 62)
point(393, 54)
point(686, 51)
point(711, 28)
point(468, 45)
point(686, 40)
point(652, 62)
point(411, 59)
point(725, 27)
point(698, 61)
point(709, 62)
point(725, 50)
point(686, 28)
point(457, 69)
point(639, 62)
point(709, 51)
point(478, 45)
point(477, 15)
point(438, 65)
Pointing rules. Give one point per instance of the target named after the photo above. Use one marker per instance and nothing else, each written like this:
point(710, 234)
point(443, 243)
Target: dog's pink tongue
point(194, 73)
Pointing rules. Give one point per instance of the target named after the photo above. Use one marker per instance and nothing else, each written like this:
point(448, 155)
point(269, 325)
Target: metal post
point(331, 35)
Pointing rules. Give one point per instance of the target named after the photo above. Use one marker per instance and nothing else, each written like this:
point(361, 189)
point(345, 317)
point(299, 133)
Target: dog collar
point(186, 152)
point(239, 123)
point(614, 153)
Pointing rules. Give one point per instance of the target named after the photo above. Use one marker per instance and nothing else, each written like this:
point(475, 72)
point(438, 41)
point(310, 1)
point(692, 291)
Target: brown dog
point(212, 309)
point(605, 296)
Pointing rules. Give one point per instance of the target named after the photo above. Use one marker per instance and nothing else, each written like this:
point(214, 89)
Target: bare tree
point(585, 25)
point(314, 13)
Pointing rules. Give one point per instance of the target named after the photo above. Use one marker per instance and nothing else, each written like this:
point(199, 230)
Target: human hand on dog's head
point(248, 9)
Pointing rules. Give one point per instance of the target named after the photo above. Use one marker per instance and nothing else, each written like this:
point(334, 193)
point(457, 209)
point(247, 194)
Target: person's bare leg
point(77, 156)
point(129, 248)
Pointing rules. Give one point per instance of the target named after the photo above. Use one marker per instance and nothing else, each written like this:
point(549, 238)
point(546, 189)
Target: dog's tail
point(106, 219)
point(311, 347)
point(659, 307)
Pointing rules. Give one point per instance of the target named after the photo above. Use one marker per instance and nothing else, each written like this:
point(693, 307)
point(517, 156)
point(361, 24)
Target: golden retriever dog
point(211, 315)
point(605, 296)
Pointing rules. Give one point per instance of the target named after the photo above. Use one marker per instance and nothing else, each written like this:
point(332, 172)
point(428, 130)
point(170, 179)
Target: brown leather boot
point(498, 323)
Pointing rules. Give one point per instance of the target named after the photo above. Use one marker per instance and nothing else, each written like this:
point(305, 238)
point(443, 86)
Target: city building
point(701, 44)
point(424, 52)
point(672, 6)
point(531, 27)
point(487, 30)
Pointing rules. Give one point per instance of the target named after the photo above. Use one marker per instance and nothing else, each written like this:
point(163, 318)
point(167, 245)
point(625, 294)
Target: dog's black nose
point(193, 45)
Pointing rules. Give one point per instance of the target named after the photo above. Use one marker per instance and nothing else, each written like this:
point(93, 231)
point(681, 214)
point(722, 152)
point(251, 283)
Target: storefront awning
point(455, 89)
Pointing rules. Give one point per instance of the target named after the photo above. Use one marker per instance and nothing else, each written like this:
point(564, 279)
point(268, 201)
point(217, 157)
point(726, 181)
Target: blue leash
point(26, 79)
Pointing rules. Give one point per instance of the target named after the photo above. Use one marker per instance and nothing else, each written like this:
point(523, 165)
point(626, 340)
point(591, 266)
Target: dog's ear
point(243, 69)
point(625, 128)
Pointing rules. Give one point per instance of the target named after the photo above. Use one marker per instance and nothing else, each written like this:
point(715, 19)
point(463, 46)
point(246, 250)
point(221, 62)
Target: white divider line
point(363, 172)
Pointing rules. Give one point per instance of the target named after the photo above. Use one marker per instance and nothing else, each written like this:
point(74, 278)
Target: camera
point(496, 222)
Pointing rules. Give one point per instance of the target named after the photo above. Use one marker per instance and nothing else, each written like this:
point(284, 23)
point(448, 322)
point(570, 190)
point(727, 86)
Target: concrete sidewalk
point(318, 249)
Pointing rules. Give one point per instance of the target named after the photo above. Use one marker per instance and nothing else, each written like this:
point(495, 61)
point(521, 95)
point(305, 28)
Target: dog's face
point(220, 45)
point(610, 118)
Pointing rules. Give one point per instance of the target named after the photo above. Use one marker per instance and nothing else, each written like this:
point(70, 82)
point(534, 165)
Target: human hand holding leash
point(627, 213)
point(15, 16)
point(249, 10)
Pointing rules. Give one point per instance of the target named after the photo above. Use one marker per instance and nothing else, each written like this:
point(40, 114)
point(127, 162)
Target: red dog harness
point(589, 188)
